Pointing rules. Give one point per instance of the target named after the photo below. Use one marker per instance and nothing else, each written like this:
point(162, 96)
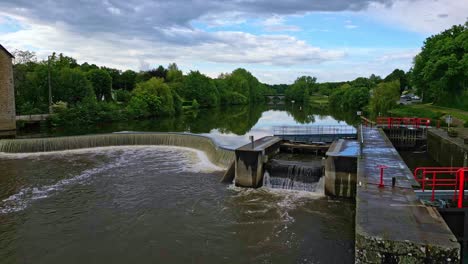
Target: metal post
point(382, 167)
point(252, 141)
point(433, 186)
point(461, 188)
point(438, 123)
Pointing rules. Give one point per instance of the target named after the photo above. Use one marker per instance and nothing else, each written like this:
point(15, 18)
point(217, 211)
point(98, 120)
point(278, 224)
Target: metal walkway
point(314, 134)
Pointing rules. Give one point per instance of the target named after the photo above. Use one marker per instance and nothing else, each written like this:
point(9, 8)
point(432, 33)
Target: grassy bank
point(318, 101)
point(434, 112)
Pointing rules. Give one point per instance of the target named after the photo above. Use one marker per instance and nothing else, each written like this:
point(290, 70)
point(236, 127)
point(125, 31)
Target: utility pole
point(50, 86)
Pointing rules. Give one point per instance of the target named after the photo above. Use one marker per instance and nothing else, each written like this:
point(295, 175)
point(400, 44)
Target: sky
point(276, 40)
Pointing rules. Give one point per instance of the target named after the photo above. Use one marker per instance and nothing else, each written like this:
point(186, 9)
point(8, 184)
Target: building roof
point(7, 52)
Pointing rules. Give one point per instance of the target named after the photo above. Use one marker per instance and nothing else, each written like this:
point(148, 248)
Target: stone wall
point(7, 95)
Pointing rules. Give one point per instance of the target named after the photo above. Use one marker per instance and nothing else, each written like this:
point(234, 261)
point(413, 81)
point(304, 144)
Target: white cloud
point(224, 47)
point(277, 23)
point(421, 15)
point(113, 10)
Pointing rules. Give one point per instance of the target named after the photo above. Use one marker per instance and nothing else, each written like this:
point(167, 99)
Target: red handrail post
point(424, 180)
point(462, 188)
point(438, 123)
point(433, 186)
point(381, 167)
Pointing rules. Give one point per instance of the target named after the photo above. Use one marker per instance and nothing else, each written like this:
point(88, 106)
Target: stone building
point(7, 92)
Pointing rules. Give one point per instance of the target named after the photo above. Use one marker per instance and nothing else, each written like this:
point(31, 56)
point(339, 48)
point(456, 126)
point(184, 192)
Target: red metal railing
point(415, 122)
point(461, 174)
point(437, 177)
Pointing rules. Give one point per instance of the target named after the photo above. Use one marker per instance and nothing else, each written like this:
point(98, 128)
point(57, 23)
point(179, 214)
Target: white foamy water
point(168, 159)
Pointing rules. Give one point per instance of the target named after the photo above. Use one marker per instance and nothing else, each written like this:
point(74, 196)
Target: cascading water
point(219, 156)
point(300, 176)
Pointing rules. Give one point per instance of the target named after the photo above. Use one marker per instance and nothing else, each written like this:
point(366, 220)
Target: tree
point(440, 69)
point(73, 87)
point(348, 98)
point(399, 75)
point(24, 57)
point(384, 97)
point(128, 80)
point(101, 82)
point(200, 87)
point(151, 98)
point(301, 89)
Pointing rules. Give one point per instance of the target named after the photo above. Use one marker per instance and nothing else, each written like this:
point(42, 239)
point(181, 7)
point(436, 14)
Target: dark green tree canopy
point(440, 71)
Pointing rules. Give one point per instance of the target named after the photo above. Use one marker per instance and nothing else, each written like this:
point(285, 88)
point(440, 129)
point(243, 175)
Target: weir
point(218, 155)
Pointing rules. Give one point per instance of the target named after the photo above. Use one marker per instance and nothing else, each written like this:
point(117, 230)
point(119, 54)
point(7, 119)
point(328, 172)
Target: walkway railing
point(438, 178)
point(314, 130)
point(414, 122)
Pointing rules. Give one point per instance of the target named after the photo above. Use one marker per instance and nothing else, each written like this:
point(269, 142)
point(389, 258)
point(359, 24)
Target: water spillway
point(219, 156)
point(293, 175)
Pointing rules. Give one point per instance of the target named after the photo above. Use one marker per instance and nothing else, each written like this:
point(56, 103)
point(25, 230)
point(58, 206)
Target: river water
point(160, 204)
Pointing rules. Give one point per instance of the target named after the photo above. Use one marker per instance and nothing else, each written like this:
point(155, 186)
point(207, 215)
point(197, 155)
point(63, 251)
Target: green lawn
point(430, 111)
point(318, 99)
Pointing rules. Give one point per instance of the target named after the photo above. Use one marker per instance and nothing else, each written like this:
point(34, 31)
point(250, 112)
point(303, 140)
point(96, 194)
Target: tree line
point(88, 93)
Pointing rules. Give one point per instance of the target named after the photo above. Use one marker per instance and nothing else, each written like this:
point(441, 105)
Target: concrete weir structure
point(7, 94)
point(392, 225)
point(250, 160)
point(340, 168)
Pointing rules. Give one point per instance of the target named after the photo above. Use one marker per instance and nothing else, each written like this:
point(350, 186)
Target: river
point(161, 204)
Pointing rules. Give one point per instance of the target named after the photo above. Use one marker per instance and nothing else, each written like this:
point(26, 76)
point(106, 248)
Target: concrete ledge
point(392, 225)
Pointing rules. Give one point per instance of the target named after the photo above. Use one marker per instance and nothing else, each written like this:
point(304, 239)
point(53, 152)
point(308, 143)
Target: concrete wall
point(7, 93)
point(445, 151)
point(340, 176)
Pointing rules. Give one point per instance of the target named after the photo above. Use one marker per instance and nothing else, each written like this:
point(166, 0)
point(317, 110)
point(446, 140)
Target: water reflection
point(229, 125)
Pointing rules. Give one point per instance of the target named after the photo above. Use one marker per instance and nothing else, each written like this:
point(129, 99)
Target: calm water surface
point(156, 204)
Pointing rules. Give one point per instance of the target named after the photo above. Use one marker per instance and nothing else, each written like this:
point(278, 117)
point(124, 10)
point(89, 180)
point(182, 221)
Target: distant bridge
point(272, 97)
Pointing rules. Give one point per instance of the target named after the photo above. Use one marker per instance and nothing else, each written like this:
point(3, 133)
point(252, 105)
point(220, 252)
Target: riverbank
point(460, 117)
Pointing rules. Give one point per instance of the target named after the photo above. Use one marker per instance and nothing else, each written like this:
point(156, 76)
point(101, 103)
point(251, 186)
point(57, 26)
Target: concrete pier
point(250, 160)
point(340, 169)
point(392, 225)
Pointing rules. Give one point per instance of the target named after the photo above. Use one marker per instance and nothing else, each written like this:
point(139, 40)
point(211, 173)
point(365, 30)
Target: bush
point(122, 96)
point(87, 113)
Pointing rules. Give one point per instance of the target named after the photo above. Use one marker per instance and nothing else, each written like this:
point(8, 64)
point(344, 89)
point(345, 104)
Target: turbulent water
point(158, 204)
point(293, 175)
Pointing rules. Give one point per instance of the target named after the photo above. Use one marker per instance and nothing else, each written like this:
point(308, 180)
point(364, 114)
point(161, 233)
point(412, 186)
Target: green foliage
point(72, 87)
point(201, 88)
point(399, 75)
point(348, 98)
point(122, 96)
point(127, 80)
point(151, 98)
point(101, 82)
point(440, 70)
point(301, 89)
point(59, 107)
point(87, 113)
point(384, 97)
point(241, 82)
point(195, 104)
